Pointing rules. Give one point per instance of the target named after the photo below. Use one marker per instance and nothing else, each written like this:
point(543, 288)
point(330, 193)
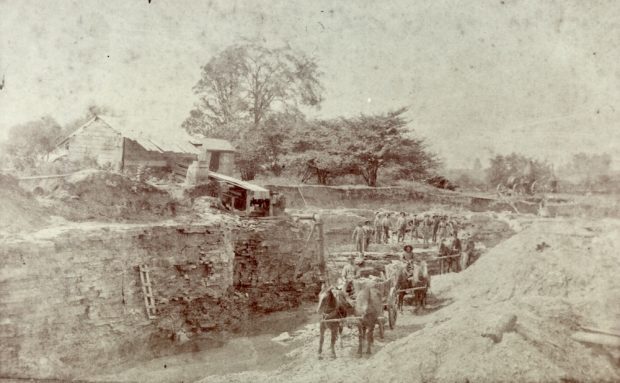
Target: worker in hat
point(407, 257)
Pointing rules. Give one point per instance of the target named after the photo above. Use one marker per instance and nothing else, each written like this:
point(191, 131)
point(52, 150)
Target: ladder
point(149, 301)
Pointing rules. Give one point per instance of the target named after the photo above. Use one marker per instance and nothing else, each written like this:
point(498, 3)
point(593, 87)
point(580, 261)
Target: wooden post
point(248, 199)
point(322, 259)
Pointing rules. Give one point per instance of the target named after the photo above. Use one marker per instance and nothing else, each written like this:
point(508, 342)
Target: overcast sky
point(540, 78)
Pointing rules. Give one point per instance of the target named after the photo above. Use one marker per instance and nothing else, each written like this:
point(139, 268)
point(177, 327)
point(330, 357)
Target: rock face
point(71, 300)
point(277, 263)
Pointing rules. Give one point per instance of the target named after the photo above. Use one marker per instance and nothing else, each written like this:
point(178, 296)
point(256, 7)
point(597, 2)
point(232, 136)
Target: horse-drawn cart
point(389, 301)
point(364, 310)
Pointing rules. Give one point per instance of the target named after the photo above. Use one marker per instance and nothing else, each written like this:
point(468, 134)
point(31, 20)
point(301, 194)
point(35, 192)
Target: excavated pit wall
point(71, 301)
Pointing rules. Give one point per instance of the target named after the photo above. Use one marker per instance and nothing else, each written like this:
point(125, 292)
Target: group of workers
point(437, 229)
point(425, 228)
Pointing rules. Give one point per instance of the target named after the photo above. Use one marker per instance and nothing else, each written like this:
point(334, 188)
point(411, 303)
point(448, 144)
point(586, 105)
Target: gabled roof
point(181, 142)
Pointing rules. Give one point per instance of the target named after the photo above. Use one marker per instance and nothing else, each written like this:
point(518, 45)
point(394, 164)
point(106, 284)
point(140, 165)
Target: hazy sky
point(480, 77)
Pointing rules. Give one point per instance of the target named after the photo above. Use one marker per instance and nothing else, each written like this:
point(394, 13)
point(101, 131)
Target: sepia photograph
point(288, 191)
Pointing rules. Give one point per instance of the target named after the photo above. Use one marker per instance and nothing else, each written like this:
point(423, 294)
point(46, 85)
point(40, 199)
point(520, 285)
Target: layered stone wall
point(277, 263)
point(74, 298)
point(71, 300)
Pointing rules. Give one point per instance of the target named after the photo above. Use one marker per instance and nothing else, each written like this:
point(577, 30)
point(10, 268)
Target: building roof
point(216, 145)
point(259, 192)
point(180, 142)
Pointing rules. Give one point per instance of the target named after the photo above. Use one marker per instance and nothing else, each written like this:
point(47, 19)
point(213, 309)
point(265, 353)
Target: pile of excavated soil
point(511, 317)
point(106, 196)
point(19, 209)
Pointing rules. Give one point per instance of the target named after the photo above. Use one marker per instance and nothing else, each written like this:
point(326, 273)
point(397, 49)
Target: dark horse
point(402, 281)
point(332, 305)
point(368, 307)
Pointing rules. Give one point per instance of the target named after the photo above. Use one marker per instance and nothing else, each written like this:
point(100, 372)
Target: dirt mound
point(20, 210)
point(106, 196)
point(511, 317)
point(515, 310)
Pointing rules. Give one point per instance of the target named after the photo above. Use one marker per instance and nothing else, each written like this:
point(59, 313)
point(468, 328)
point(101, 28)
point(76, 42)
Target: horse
point(332, 305)
point(399, 276)
point(369, 307)
point(421, 278)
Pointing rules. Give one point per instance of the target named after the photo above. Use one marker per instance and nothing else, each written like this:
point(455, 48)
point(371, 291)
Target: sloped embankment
point(20, 210)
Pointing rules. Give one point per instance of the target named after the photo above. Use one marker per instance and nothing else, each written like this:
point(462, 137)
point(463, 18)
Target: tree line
point(255, 96)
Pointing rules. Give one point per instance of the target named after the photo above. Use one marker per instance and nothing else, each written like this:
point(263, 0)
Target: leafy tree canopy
point(243, 84)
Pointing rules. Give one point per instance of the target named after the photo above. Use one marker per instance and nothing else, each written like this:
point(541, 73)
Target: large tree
point(385, 139)
point(28, 143)
point(361, 145)
point(316, 150)
point(243, 84)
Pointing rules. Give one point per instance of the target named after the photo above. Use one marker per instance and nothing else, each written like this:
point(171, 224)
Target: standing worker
point(401, 226)
point(470, 250)
point(435, 227)
point(378, 227)
point(359, 239)
point(385, 228)
point(427, 228)
point(367, 234)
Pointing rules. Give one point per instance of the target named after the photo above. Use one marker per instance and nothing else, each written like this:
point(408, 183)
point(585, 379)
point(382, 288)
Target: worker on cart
point(407, 257)
point(350, 271)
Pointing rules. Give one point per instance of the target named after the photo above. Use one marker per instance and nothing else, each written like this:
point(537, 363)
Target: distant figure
point(385, 228)
point(427, 229)
point(368, 231)
point(435, 227)
point(378, 227)
point(542, 208)
point(359, 238)
point(442, 229)
point(401, 227)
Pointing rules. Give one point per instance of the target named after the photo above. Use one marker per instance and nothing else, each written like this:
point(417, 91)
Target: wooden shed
point(110, 142)
point(220, 154)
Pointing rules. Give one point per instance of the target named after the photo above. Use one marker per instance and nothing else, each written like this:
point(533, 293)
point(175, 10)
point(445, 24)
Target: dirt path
point(258, 353)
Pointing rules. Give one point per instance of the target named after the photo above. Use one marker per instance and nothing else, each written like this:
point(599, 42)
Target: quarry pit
point(222, 287)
